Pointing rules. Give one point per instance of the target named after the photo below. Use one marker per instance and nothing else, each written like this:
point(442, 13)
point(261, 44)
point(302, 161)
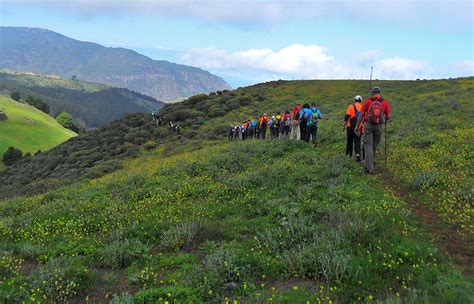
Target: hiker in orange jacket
point(263, 126)
point(350, 121)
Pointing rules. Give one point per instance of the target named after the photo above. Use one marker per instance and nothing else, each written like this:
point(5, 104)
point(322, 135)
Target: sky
point(247, 42)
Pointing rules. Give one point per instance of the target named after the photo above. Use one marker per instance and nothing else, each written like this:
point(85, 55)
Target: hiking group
point(362, 121)
point(299, 123)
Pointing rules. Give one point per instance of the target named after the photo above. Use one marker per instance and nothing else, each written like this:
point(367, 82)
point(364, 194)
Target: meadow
point(248, 222)
point(194, 218)
point(29, 129)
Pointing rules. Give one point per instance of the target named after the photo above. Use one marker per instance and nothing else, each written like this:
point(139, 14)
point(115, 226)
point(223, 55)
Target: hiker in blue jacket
point(311, 117)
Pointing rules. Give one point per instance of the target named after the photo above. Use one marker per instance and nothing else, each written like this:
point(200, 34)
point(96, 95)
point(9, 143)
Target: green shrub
point(179, 236)
point(11, 156)
point(15, 96)
point(61, 278)
point(122, 252)
point(37, 103)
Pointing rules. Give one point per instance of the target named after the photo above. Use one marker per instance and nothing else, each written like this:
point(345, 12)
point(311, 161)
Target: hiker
point(271, 125)
point(231, 134)
point(312, 116)
point(177, 129)
point(263, 126)
point(303, 121)
point(286, 125)
point(277, 125)
point(245, 126)
point(295, 122)
point(159, 121)
point(257, 128)
point(250, 128)
point(153, 115)
point(350, 121)
point(374, 113)
point(171, 125)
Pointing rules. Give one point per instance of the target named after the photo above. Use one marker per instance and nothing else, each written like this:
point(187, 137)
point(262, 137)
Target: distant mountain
point(90, 103)
point(46, 52)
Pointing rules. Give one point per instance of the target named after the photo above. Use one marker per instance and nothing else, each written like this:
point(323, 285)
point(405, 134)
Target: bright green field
point(29, 129)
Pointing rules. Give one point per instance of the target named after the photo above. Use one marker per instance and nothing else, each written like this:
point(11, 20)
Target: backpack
point(287, 121)
point(297, 115)
point(314, 118)
point(353, 120)
point(277, 122)
point(375, 115)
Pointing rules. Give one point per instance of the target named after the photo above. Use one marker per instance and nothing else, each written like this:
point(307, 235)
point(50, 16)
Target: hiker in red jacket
point(375, 112)
point(295, 122)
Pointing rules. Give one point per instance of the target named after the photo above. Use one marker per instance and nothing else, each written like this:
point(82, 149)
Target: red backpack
point(375, 115)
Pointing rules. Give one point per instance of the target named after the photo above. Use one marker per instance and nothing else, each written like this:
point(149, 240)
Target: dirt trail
point(447, 238)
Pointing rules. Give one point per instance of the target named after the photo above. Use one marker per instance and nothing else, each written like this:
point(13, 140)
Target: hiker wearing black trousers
point(263, 126)
point(303, 122)
point(350, 121)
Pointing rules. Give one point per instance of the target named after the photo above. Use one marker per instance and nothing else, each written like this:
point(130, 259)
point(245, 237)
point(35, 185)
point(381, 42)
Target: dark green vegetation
point(92, 104)
point(11, 156)
point(196, 219)
point(46, 52)
point(37, 103)
point(85, 156)
point(65, 119)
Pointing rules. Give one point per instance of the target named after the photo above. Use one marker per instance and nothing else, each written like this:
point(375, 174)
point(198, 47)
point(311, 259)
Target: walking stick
point(370, 81)
point(385, 140)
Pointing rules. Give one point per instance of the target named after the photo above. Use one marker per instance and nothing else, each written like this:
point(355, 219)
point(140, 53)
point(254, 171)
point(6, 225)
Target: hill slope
point(196, 219)
point(46, 52)
point(91, 103)
point(236, 221)
point(29, 129)
point(429, 138)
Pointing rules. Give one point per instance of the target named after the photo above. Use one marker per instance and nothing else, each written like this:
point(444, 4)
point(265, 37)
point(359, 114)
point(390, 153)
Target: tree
point(65, 120)
point(11, 156)
point(37, 103)
point(15, 96)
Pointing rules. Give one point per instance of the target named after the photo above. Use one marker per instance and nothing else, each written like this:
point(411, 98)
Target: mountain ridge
point(43, 51)
point(91, 103)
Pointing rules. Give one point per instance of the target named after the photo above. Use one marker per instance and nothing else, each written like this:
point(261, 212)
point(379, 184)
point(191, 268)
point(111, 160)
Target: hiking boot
point(358, 157)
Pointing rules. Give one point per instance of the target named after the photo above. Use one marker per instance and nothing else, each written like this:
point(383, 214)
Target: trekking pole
point(370, 81)
point(385, 140)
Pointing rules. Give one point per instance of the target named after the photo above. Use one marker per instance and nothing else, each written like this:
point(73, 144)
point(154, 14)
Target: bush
point(15, 96)
point(11, 156)
point(121, 253)
point(38, 103)
point(61, 278)
point(150, 145)
point(179, 236)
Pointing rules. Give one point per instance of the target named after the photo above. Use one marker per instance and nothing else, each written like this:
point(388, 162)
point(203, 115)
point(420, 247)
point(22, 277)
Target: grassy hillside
point(29, 129)
point(252, 222)
point(91, 103)
point(193, 218)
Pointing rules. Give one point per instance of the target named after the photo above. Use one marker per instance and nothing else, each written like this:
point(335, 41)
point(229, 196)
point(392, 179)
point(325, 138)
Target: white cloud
point(403, 68)
point(299, 61)
point(270, 11)
point(464, 68)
